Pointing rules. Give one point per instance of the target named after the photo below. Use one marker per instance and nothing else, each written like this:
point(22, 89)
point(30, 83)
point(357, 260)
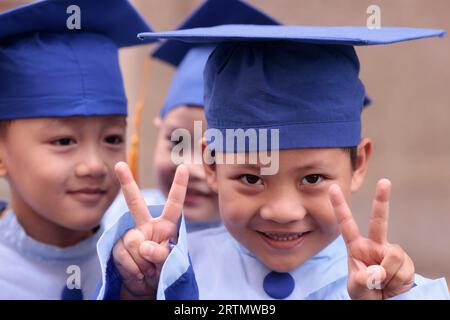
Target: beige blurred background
point(409, 119)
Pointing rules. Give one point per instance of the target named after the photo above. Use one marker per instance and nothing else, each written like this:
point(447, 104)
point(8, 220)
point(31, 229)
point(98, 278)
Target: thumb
point(154, 252)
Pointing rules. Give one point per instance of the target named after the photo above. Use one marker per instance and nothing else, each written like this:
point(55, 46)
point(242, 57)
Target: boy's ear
point(209, 165)
point(3, 171)
point(364, 151)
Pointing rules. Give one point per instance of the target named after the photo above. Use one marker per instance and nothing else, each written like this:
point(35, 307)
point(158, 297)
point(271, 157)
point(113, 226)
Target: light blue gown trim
point(13, 234)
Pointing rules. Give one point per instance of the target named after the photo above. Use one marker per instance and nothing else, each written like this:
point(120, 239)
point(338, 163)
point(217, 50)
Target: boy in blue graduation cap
point(183, 113)
point(284, 153)
point(62, 129)
point(183, 108)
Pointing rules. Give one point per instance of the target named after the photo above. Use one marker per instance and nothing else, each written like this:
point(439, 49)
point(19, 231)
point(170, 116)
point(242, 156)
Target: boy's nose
point(91, 164)
point(283, 208)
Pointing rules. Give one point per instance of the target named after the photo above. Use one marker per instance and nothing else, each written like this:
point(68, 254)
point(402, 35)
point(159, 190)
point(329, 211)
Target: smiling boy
point(281, 235)
point(183, 108)
point(69, 163)
point(62, 129)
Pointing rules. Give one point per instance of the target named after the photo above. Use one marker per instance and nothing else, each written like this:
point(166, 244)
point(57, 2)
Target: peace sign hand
point(140, 254)
point(377, 269)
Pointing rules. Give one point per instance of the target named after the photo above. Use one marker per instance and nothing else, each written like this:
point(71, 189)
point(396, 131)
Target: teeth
point(279, 237)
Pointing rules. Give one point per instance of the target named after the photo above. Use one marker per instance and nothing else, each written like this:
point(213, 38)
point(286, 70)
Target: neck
point(43, 230)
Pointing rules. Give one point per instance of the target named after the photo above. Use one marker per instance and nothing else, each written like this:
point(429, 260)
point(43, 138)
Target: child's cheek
point(233, 211)
point(324, 217)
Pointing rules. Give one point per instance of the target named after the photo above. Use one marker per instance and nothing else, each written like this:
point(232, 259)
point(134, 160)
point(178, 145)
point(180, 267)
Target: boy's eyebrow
point(305, 167)
point(55, 122)
point(58, 122)
point(312, 165)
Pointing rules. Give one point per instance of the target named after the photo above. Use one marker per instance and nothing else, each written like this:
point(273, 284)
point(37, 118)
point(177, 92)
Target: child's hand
point(141, 252)
point(377, 269)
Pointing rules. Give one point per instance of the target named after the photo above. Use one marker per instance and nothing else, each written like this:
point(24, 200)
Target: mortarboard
point(190, 58)
point(50, 70)
point(301, 80)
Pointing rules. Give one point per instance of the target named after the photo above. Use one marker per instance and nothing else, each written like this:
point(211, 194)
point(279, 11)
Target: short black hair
point(353, 152)
point(4, 124)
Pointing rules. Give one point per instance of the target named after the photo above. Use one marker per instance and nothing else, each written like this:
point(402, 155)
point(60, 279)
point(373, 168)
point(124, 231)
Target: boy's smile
point(61, 173)
point(286, 218)
point(283, 240)
point(88, 195)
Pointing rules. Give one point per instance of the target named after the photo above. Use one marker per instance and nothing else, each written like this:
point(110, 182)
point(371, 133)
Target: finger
point(175, 199)
point(347, 224)
point(132, 241)
point(378, 225)
point(160, 230)
point(394, 257)
point(132, 278)
point(125, 264)
point(157, 253)
point(132, 194)
point(403, 278)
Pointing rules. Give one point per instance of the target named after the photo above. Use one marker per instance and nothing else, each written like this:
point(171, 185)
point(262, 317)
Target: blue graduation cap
point(301, 80)
point(49, 69)
point(190, 58)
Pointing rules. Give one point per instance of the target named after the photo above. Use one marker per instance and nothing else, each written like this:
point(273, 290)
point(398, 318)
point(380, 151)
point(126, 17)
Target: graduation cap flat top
point(190, 58)
point(116, 19)
point(300, 80)
point(50, 70)
point(354, 36)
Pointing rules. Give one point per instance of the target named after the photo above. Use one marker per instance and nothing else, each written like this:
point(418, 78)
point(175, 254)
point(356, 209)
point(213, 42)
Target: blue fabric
point(71, 294)
point(106, 17)
point(184, 288)
point(352, 36)
point(235, 273)
point(40, 270)
point(113, 282)
point(312, 94)
point(109, 288)
point(177, 279)
point(178, 285)
point(187, 85)
point(198, 226)
point(50, 71)
point(190, 59)
point(278, 285)
point(212, 13)
point(302, 81)
point(3, 205)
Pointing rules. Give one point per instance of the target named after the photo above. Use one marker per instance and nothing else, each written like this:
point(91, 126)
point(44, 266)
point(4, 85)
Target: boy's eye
point(251, 179)
point(114, 139)
point(64, 142)
point(312, 179)
point(175, 142)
